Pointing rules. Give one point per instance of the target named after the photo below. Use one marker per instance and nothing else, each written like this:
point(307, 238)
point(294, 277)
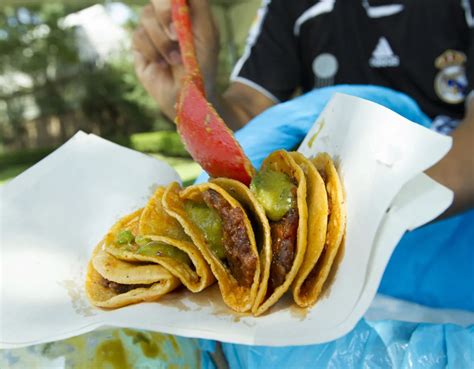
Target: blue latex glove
point(373, 345)
point(432, 265)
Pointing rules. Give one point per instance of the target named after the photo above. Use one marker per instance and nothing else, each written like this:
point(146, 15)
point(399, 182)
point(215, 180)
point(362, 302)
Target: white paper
point(53, 215)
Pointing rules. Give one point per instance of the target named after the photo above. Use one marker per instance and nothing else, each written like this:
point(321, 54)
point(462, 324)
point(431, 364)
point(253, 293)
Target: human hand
point(157, 56)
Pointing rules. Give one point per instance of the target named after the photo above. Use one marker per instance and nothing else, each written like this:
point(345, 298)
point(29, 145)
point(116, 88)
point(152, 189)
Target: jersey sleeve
point(270, 62)
point(468, 7)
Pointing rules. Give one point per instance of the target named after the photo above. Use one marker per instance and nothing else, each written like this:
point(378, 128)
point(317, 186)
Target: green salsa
point(124, 237)
point(149, 247)
point(274, 191)
point(210, 223)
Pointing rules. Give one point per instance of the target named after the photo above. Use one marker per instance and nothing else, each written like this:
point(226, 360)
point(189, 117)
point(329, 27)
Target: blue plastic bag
point(433, 265)
point(370, 345)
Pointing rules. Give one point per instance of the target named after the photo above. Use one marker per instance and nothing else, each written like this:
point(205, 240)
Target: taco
point(315, 270)
point(280, 187)
point(220, 228)
point(260, 225)
point(113, 283)
point(155, 237)
point(317, 200)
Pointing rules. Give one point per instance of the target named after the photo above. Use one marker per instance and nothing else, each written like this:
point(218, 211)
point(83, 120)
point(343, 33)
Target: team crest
point(450, 83)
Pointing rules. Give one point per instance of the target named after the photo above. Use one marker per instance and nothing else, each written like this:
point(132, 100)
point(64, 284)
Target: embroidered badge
point(450, 83)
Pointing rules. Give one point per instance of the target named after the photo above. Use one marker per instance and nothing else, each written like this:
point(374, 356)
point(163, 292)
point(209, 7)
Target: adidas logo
point(383, 56)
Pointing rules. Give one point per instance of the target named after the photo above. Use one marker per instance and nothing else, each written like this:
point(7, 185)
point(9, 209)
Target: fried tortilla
point(280, 186)
point(308, 286)
point(221, 229)
point(261, 227)
point(317, 200)
point(113, 283)
point(159, 238)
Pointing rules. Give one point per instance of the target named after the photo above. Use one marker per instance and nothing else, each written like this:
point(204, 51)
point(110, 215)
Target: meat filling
point(284, 234)
point(240, 258)
point(119, 288)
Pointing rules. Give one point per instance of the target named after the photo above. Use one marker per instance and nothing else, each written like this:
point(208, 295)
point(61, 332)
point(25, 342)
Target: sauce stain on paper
point(298, 312)
point(152, 189)
point(173, 300)
point(77, 296)
point(209, 299)
point(315, 135)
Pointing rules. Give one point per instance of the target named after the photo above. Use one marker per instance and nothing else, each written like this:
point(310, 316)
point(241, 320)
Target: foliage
point(164, 145)
point(114, 99)
point(165, 142)
point(32, 40)
point(107, 97)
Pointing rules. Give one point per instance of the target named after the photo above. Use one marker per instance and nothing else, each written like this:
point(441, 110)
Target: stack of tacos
point(148, 243)
point(281, 233)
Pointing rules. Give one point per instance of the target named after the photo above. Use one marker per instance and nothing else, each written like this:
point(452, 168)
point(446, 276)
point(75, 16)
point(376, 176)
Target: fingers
point(142, 43)
point(153, 41)
point(163, 16)
point(157, 79)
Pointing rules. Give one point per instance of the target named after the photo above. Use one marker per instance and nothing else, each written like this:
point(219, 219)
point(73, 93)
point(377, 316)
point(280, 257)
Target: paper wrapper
point(52, 216)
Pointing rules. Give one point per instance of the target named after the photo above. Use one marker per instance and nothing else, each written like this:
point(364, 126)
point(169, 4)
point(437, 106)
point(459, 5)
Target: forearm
point(239, 104)
point(456, 169)
point(233, 114)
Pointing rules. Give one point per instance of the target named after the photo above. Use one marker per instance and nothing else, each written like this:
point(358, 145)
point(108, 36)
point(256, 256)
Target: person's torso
point(418, 47)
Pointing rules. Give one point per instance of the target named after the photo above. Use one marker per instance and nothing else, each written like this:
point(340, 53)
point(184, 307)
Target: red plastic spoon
point(205, 135)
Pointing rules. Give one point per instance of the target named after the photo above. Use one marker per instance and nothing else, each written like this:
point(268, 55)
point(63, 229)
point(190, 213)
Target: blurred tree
point(107, 96)
point(61, 88)
point(115, 100)
point(32, 42)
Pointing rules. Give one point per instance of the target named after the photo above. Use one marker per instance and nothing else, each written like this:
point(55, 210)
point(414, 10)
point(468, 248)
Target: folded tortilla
point(113, 283)
point(317, 200)
point(162, 241)
point(311, 279)
point(260, 225)
point(281, 161)
point(236, 266)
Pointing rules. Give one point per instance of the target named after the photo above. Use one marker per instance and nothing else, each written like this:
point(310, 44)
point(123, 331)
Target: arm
point(239, 104)
point(158, 62)
point(157, 56)
point(159, 68)
point(456, 169)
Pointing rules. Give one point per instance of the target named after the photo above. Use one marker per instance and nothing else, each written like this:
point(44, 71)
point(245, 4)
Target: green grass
point(164, 145)
point(12, 171)
point(164, 142)
point(187, 169)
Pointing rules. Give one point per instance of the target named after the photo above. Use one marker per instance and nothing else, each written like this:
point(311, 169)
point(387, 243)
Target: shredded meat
point(284, 234)
point(120, 288)
point(241, 260)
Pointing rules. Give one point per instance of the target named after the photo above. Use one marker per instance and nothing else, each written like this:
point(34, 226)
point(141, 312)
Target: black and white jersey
point(424, 48)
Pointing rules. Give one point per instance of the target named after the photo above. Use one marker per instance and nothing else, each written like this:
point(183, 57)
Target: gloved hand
point(285, 125)
point(374, 344)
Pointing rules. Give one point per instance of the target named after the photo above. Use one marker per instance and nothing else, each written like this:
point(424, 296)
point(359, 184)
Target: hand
point(156, 51)
point(456, 169)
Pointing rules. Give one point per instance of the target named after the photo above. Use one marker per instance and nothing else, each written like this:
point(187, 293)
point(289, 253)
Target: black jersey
point(424, 48)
